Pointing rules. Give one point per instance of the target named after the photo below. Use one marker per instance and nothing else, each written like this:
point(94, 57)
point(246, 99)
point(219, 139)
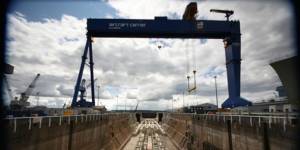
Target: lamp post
point(183, 100)
point(37, 98)
point(117, 103)
point(216, 87)
point(98, 86)
point(125, 105)
point(172, 104)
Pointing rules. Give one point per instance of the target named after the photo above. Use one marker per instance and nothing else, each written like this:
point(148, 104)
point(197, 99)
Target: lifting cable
point(187, 60)
point(187, 64)
point(190, 14)
point(187, 49)
point(195, 65)
point(194, 58)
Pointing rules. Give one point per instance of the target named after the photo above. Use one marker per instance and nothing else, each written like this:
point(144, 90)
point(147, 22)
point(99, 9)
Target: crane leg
point(91, 70)
point(233, 66)
point(79, 77)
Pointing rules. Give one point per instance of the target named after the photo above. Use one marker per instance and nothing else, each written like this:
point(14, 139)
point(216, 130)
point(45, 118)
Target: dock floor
point(149, 136)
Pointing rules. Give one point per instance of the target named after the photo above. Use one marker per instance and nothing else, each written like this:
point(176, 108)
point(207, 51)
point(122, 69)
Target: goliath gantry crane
point(162, 27)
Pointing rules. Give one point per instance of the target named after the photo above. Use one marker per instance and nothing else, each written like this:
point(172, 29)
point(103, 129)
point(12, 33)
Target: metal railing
point(252, 119)
point(62, 119)
point(244, 119)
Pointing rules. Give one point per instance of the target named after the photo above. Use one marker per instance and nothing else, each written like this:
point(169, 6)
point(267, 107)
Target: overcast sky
point(49, 37)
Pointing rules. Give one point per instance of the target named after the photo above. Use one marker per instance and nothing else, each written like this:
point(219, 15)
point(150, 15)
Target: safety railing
point(251, 120)
point(59, 120)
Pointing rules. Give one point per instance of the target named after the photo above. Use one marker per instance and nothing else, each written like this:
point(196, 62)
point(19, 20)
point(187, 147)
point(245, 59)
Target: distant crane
point(89, 85)
point(26, 94)
point(82, 89)
point(23, 100)
point(137, 104)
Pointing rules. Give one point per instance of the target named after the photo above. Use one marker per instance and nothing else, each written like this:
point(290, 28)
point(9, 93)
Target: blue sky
point(35, 10)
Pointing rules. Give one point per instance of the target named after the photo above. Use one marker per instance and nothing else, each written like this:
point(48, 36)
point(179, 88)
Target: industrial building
point(199, 109)
point(270, 106)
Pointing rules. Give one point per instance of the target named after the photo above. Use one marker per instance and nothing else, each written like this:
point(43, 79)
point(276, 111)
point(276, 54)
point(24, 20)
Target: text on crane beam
point(117, 26)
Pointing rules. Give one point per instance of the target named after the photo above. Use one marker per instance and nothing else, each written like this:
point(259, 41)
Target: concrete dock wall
point(186, 131)
point(86, 132)
point(237, 133)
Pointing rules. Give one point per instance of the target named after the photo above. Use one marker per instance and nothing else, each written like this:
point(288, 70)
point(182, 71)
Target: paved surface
point(149, 136)
point(131, 143)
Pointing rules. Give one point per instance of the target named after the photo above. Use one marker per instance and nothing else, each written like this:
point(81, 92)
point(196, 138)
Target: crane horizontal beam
point(161, 27)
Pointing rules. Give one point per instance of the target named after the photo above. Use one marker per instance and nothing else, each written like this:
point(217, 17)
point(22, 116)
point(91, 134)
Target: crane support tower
point(87, 49)
point(162, 27)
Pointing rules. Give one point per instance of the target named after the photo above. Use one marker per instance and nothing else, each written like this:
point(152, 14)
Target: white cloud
point(145, 9)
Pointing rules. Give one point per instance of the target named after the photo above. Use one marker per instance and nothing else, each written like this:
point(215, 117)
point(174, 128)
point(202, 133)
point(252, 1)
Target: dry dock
point(173, 131)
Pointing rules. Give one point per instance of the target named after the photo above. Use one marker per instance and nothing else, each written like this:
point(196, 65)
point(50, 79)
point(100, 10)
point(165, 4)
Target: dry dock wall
point(86, 132)
point(187, 131)
point(203, 132)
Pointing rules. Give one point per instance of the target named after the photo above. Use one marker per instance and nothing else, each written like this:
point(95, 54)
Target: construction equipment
point(87, 49)
point(190, 12)
point(89, 85)
point(162, 27)
point(82, 102)
point(227, 13)
point(25, 95)
point(68, 112)
point(23, 100)
point(190, 15)
point(194, 87)
point(137, 104)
